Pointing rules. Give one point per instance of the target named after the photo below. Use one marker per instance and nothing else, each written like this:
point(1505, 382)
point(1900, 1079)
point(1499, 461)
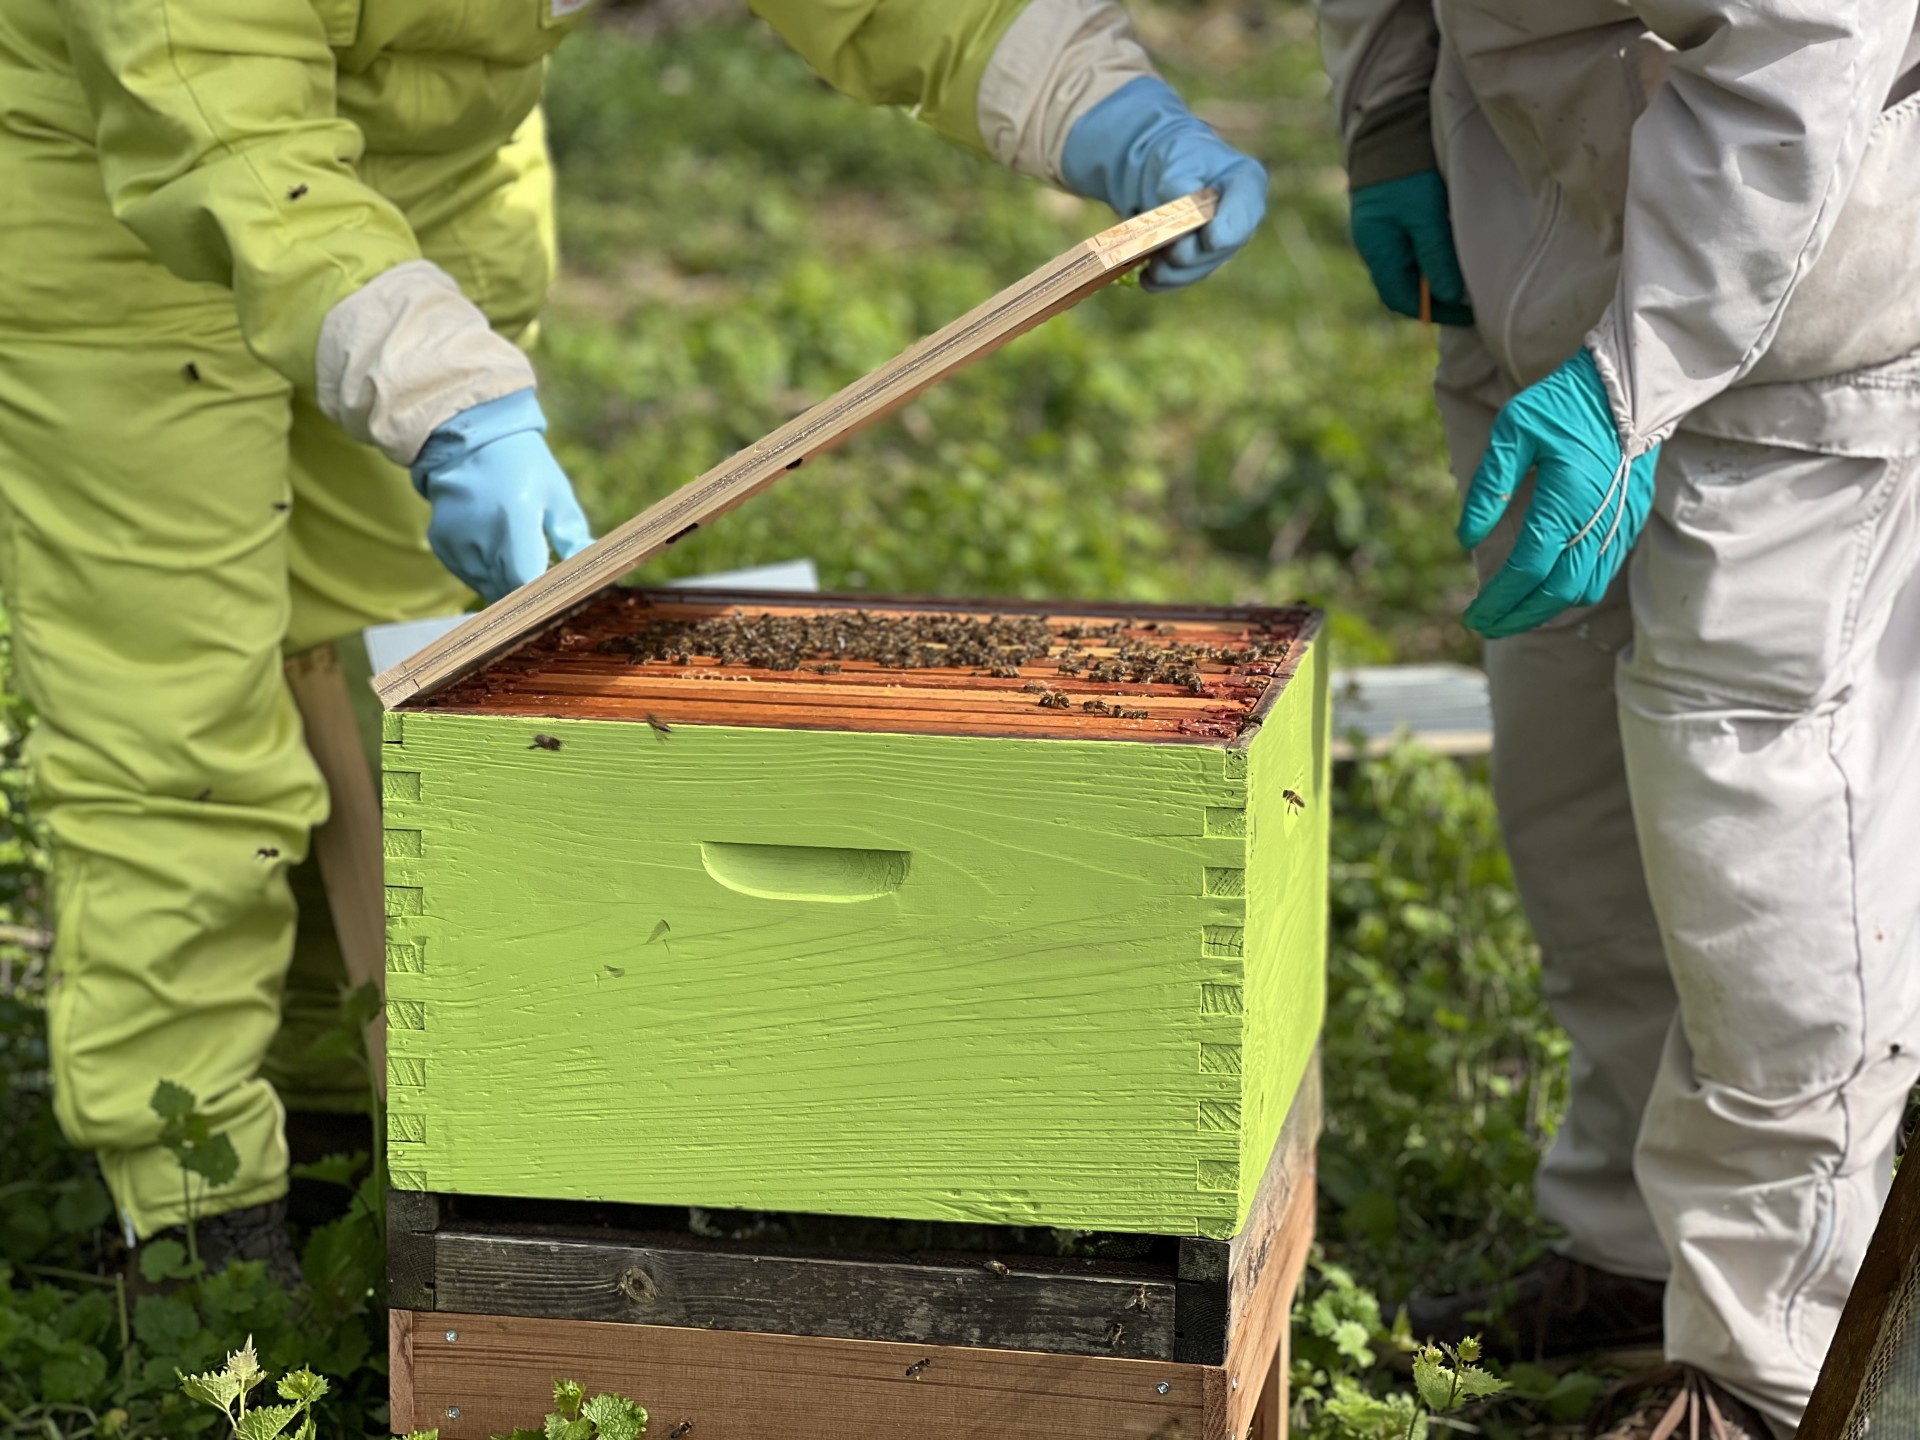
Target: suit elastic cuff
point(407, 352)
point(1609, 348)
point(1057, 60)
point(1392, 142)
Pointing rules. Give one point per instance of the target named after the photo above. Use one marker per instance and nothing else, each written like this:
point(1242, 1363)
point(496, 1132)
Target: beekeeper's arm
point(1381, 55)
point(1058, 89)
point(221, 149)
point(1740, 167)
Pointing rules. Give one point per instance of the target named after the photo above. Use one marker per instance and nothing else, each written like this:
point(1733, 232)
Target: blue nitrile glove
point(1402, 230)
point(1588, 501)
point(498, 496)
point(1141, 147)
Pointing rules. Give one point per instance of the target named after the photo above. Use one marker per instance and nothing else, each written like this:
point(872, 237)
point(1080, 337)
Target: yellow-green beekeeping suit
point(192, 186)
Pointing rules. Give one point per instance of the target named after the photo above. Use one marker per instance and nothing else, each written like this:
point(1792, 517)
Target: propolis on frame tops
point(1012, 914)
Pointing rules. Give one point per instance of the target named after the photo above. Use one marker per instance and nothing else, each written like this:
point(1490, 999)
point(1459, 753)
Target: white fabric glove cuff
point(405, 353)
point(1057, 60)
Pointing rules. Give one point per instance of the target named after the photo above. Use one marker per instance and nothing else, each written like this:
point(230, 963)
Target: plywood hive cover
point(1010, 914)
point(1058, 285)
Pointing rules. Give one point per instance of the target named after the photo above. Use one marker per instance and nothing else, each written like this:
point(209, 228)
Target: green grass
point(739, 243)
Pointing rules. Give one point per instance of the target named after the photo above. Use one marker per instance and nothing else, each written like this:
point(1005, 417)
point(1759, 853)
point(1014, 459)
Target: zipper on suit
point(1535, 256)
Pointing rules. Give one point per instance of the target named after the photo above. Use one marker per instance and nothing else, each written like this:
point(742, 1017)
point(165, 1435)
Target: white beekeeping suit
point(1710, 781)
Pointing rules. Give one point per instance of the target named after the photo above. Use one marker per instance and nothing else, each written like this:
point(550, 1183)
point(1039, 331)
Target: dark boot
point(256, 1232)
point(1675, 1402)
point(1554, 1307)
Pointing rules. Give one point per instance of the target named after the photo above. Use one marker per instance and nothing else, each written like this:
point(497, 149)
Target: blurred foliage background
point(738, 243)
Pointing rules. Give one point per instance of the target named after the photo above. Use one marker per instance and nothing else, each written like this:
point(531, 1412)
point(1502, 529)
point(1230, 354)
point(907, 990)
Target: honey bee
point(661, 730)
point(915, 1370)
point(1294, 802)
point(1055, 700)
point(544, 742)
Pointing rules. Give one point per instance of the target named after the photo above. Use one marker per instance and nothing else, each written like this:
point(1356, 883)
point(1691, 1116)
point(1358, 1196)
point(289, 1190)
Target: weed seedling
point(575, 1417)
point(189, 1136)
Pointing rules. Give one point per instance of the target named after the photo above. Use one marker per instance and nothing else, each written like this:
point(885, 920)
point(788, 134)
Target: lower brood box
point(1008, 914)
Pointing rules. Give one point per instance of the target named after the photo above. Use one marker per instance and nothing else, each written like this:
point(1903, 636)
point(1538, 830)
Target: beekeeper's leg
point(358, 548)
point(143, 486)
point(1768, 707)
point(358, 556)
point(1560, 784)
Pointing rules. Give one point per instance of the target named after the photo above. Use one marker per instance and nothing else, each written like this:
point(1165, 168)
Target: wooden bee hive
point(1008, 915)
point(717, 919)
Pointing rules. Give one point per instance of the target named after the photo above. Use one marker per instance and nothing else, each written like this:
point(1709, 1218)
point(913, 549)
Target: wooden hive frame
point(584, 671)
point(1869, 1384)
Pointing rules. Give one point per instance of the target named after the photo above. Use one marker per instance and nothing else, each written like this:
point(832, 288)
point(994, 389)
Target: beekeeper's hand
point(1404, 233)
point(499, 498)
point(1141, 147)
point(1589, 500)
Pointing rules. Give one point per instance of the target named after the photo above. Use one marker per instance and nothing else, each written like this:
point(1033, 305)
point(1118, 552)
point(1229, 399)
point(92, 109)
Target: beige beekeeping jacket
point(1713, 195)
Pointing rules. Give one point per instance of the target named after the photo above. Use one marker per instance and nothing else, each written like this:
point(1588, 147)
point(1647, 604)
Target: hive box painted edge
point(1045, 982)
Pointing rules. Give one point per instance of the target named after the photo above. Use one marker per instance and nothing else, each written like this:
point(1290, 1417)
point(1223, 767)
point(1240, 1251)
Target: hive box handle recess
point(824, 873)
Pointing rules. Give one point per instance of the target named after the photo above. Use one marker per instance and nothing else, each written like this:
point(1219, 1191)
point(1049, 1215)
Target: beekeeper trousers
point(1710, 785)
point(171, 522)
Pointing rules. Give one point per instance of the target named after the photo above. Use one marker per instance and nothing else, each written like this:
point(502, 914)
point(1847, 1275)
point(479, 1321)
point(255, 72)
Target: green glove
point(1589, 501)
point(1403, 231)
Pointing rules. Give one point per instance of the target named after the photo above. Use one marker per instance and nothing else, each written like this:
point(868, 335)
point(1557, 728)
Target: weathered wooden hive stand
point(832, 1016)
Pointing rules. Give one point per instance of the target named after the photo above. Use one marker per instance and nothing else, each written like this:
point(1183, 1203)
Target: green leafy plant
point(1449, 1377)
point(227, 1390)
point(1445, 1074)
point(1338, 1394)
point(78, 1358)
point(201, 1152)
point(576, 1417)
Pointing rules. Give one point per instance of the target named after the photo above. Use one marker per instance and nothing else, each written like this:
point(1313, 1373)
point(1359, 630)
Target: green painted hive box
point(914, 910)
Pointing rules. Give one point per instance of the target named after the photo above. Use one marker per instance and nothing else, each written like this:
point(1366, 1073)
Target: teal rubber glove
point(1141, 147)
point(499, 497)
point(1588, 505)
point(1403, 230)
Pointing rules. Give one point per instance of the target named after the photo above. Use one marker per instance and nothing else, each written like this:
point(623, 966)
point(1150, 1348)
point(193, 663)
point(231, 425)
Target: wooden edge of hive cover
point(480, 1375)
point(1870, 1383)
point(1054, 287)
